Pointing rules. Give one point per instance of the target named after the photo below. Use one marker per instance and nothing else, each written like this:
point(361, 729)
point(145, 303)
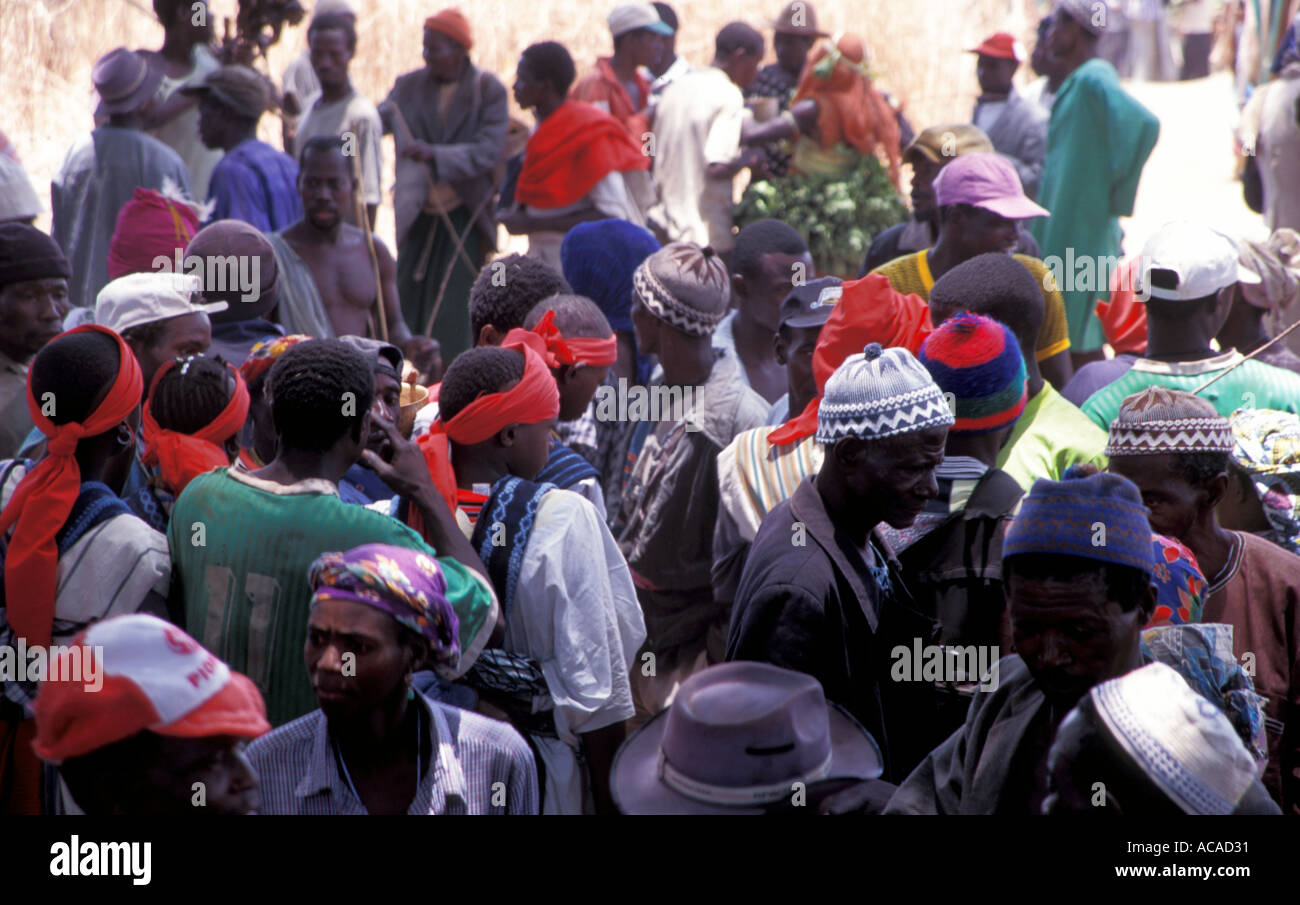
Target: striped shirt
point(1251, 384)
point(754, 475)
point(481, 766)
point(911, 274)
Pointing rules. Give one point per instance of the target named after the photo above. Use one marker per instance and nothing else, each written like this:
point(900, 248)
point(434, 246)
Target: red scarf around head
point(45, 496)
point(573, 149)
point(1124, 318)
point(585, 350)
point(870, 310)
point(534, 398)
point(183, 457)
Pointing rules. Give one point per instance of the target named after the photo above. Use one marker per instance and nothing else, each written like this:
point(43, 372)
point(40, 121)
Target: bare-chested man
point(327, 276)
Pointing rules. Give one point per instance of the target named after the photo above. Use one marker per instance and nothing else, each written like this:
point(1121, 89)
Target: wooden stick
point(364, 222)
point(1245, 358)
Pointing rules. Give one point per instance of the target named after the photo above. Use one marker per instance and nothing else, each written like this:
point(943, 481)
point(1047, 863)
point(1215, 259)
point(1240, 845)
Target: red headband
point(183, 457)
point(52, 486)
point(534, 398)
point(585, 350)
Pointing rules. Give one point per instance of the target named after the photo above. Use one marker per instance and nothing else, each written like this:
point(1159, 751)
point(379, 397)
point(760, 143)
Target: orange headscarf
point(183, 457)
point(849, 109)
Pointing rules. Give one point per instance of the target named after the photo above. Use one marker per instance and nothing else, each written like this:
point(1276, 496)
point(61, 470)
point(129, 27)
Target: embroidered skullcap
point(1183, 743)
point(685, 285)
point(1159, 420)
point(880, 393)
point(1100, 517)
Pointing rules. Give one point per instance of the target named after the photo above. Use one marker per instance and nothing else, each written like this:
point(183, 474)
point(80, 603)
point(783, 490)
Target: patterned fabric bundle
point(685, 285)
point(1186, 747)
point(977, 361)
point(1268, 449)
point(1159, 420)
point(1065, 518)
point(880, 393)
point(1203, 656)
point(405, 584)
point(1180, 586)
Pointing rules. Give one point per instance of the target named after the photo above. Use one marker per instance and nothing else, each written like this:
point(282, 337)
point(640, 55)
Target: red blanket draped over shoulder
point(572, 150)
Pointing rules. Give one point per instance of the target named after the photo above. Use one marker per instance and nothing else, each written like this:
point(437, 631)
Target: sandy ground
point(1190, 173)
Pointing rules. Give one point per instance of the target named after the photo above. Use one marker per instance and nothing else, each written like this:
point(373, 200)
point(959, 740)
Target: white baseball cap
point(142, 298)
point(1204, 259)
point(631, 16)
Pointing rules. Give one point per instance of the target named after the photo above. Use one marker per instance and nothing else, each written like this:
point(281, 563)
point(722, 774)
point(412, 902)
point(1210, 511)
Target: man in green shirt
point(1051, 434)
point(242, 541)
point(1098, 140)
point(1190, 273)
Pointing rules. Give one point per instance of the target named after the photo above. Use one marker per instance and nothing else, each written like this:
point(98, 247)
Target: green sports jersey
point(241, 548)
point(1251, 384)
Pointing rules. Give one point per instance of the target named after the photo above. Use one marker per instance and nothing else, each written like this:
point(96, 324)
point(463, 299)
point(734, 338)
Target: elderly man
point(330, 286)
point(449, 121)
point(1098, 140)
point(33, 302)
point(253, 182)
point(1017, 127)
point(821, 591)
point(1077, 610)
point(1175, 447)
point(377, 614)
point(102, 170)
point(616, 84)
point(168, 719)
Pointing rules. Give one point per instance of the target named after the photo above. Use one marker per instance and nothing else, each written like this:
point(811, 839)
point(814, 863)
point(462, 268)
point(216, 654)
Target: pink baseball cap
point(136, 672)
point(988, 181)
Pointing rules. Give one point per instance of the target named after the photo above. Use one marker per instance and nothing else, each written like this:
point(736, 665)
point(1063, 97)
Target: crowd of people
point(664, 515)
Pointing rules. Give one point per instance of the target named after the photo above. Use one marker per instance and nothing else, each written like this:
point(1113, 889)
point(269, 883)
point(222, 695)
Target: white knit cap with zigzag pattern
point(880, 393)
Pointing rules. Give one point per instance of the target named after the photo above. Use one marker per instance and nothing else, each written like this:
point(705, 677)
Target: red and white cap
point(150, 675)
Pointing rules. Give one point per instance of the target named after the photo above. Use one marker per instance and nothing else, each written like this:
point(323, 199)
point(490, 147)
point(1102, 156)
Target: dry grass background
point(47, 48)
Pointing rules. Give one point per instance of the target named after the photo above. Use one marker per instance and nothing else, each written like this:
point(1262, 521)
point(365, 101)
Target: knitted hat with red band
point(976, 362)
point(130, 673)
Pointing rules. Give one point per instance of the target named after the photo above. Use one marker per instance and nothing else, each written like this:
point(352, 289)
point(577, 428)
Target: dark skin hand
point(406, 471)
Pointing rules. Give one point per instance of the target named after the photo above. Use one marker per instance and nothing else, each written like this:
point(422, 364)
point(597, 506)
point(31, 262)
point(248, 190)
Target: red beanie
point(452, 23)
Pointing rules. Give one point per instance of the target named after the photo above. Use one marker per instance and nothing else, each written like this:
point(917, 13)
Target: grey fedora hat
point(125, 81)
point(736, 740)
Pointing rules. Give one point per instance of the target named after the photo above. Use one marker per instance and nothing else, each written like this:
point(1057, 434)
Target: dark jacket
point(470, 142)
point(815, 607)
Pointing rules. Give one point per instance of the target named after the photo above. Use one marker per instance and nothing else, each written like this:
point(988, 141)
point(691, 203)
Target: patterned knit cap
point(685, 285)
point(1100, 517)
point(1184, 744)
point(977, 364)
point(1159, 420)
point(880, 393)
